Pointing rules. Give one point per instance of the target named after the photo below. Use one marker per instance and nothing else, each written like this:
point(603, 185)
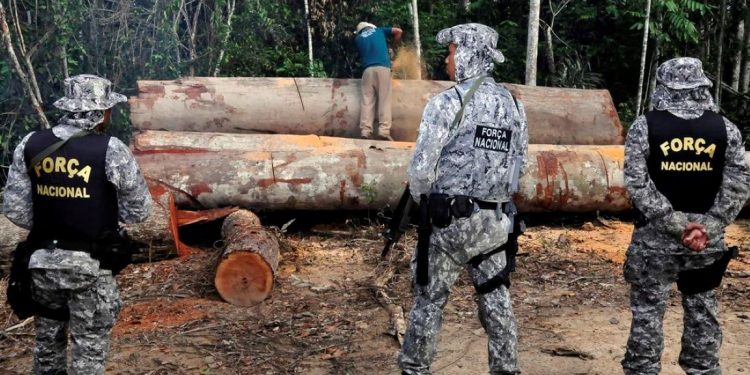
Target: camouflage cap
point(472, 36)
point(682, 73)
point(88, 92)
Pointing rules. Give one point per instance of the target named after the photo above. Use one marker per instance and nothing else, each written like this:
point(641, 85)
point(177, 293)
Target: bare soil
point(324, 317)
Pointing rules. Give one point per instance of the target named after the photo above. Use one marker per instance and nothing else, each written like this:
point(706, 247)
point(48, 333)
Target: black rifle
point(400, 222)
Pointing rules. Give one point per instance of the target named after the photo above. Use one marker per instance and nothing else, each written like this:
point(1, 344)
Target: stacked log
point(331, 107)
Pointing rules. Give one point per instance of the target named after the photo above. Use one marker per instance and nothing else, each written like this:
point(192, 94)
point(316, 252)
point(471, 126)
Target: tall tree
point(745, 46)
point(643, 58)
point(309, 38)
point(719, 52)
point(532, 44)
point(417, 41)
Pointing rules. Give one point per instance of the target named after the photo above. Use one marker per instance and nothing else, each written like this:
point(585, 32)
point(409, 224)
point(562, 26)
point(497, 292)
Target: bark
point(532, 44)
point(417, 41)
point(644, 49)
point(719, 54)
point(230, 14)
point(22, 75)
point(467, 4)
point(244, 276)
point(331, 107)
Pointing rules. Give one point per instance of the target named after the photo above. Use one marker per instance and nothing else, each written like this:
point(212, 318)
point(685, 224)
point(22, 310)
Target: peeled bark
point(331, 107)
point(244, 276)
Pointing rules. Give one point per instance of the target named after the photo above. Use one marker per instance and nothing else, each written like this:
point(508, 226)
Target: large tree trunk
point(719, 54)
point(532, 44)
point(331, 107)
point(244, 276)
point(644, 49)
point(323, 173)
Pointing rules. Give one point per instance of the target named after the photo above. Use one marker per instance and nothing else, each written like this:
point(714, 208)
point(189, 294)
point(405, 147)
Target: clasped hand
point(694, 237)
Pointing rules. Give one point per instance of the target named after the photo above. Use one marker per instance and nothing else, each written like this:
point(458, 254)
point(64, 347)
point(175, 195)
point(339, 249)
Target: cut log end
point(244, 279)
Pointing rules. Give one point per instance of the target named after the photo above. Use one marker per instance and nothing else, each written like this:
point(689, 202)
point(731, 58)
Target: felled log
point(324, 173)
point(244, 276)
point(330, 107)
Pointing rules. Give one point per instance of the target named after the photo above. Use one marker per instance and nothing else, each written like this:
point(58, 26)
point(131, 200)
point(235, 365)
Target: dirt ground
point(326, 317)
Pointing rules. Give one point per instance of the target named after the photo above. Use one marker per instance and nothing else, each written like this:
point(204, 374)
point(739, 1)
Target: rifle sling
point(54, 147)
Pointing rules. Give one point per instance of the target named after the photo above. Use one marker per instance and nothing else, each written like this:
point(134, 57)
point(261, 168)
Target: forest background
point(582, 44)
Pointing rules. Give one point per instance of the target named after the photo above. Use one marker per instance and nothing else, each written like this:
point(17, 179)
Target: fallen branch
point(19, 325)
point(567, 352)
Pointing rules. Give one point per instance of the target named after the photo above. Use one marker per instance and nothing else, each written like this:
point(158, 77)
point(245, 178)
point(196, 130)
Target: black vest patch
point(72, 197)
point(493, 139)
point(686, 158)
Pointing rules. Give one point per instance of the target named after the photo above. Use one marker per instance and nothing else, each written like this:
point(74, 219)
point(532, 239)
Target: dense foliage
point(582, 43)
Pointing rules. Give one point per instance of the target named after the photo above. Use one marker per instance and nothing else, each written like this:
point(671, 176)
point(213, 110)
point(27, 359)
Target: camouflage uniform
point(656, 254)
point(446, 161)
point(73, 278)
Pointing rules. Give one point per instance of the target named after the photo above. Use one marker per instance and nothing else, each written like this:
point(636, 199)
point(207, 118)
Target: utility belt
point(439, 210)
point(113, 249)
point(443, 207)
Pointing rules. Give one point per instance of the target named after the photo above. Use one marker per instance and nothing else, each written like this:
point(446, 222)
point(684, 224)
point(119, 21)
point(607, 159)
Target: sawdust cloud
point(406, 64)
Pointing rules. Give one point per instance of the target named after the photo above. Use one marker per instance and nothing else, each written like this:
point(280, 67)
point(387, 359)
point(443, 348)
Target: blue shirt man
point(376, 77)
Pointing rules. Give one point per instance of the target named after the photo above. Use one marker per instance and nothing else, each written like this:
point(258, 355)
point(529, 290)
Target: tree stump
point(244, 276)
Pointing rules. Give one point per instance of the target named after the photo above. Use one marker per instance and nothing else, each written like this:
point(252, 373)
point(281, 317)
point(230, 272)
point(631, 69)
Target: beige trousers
point(376, 88)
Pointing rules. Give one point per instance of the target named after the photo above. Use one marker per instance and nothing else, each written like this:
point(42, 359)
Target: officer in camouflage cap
point(685, 172)
point(68, 200)
point(469, 155)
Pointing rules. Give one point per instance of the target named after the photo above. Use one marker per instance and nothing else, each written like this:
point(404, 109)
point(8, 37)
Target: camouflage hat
point(682, 73)
point(474, 36)
point(88, 92)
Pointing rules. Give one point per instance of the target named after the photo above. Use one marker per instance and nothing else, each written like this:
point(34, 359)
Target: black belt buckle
point(51, 245)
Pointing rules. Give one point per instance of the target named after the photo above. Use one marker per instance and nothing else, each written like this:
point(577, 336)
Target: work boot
point(385, 137)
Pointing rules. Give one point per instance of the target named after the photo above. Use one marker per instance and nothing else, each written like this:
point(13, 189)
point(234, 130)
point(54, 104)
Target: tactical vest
point(73, 200)
point(479, 156)
point(686, 158)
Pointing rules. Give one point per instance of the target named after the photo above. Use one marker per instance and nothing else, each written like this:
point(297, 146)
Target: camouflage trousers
point(450, 250)
point(651, 278)
point(94, 303)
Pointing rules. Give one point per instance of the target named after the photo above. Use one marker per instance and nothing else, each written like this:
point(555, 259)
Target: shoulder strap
point(54, 147)
point(464, 103)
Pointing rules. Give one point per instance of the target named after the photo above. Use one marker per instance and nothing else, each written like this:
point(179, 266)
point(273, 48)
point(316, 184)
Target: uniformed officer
point(469, 154)
point(68, 199)
point(685, 172)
